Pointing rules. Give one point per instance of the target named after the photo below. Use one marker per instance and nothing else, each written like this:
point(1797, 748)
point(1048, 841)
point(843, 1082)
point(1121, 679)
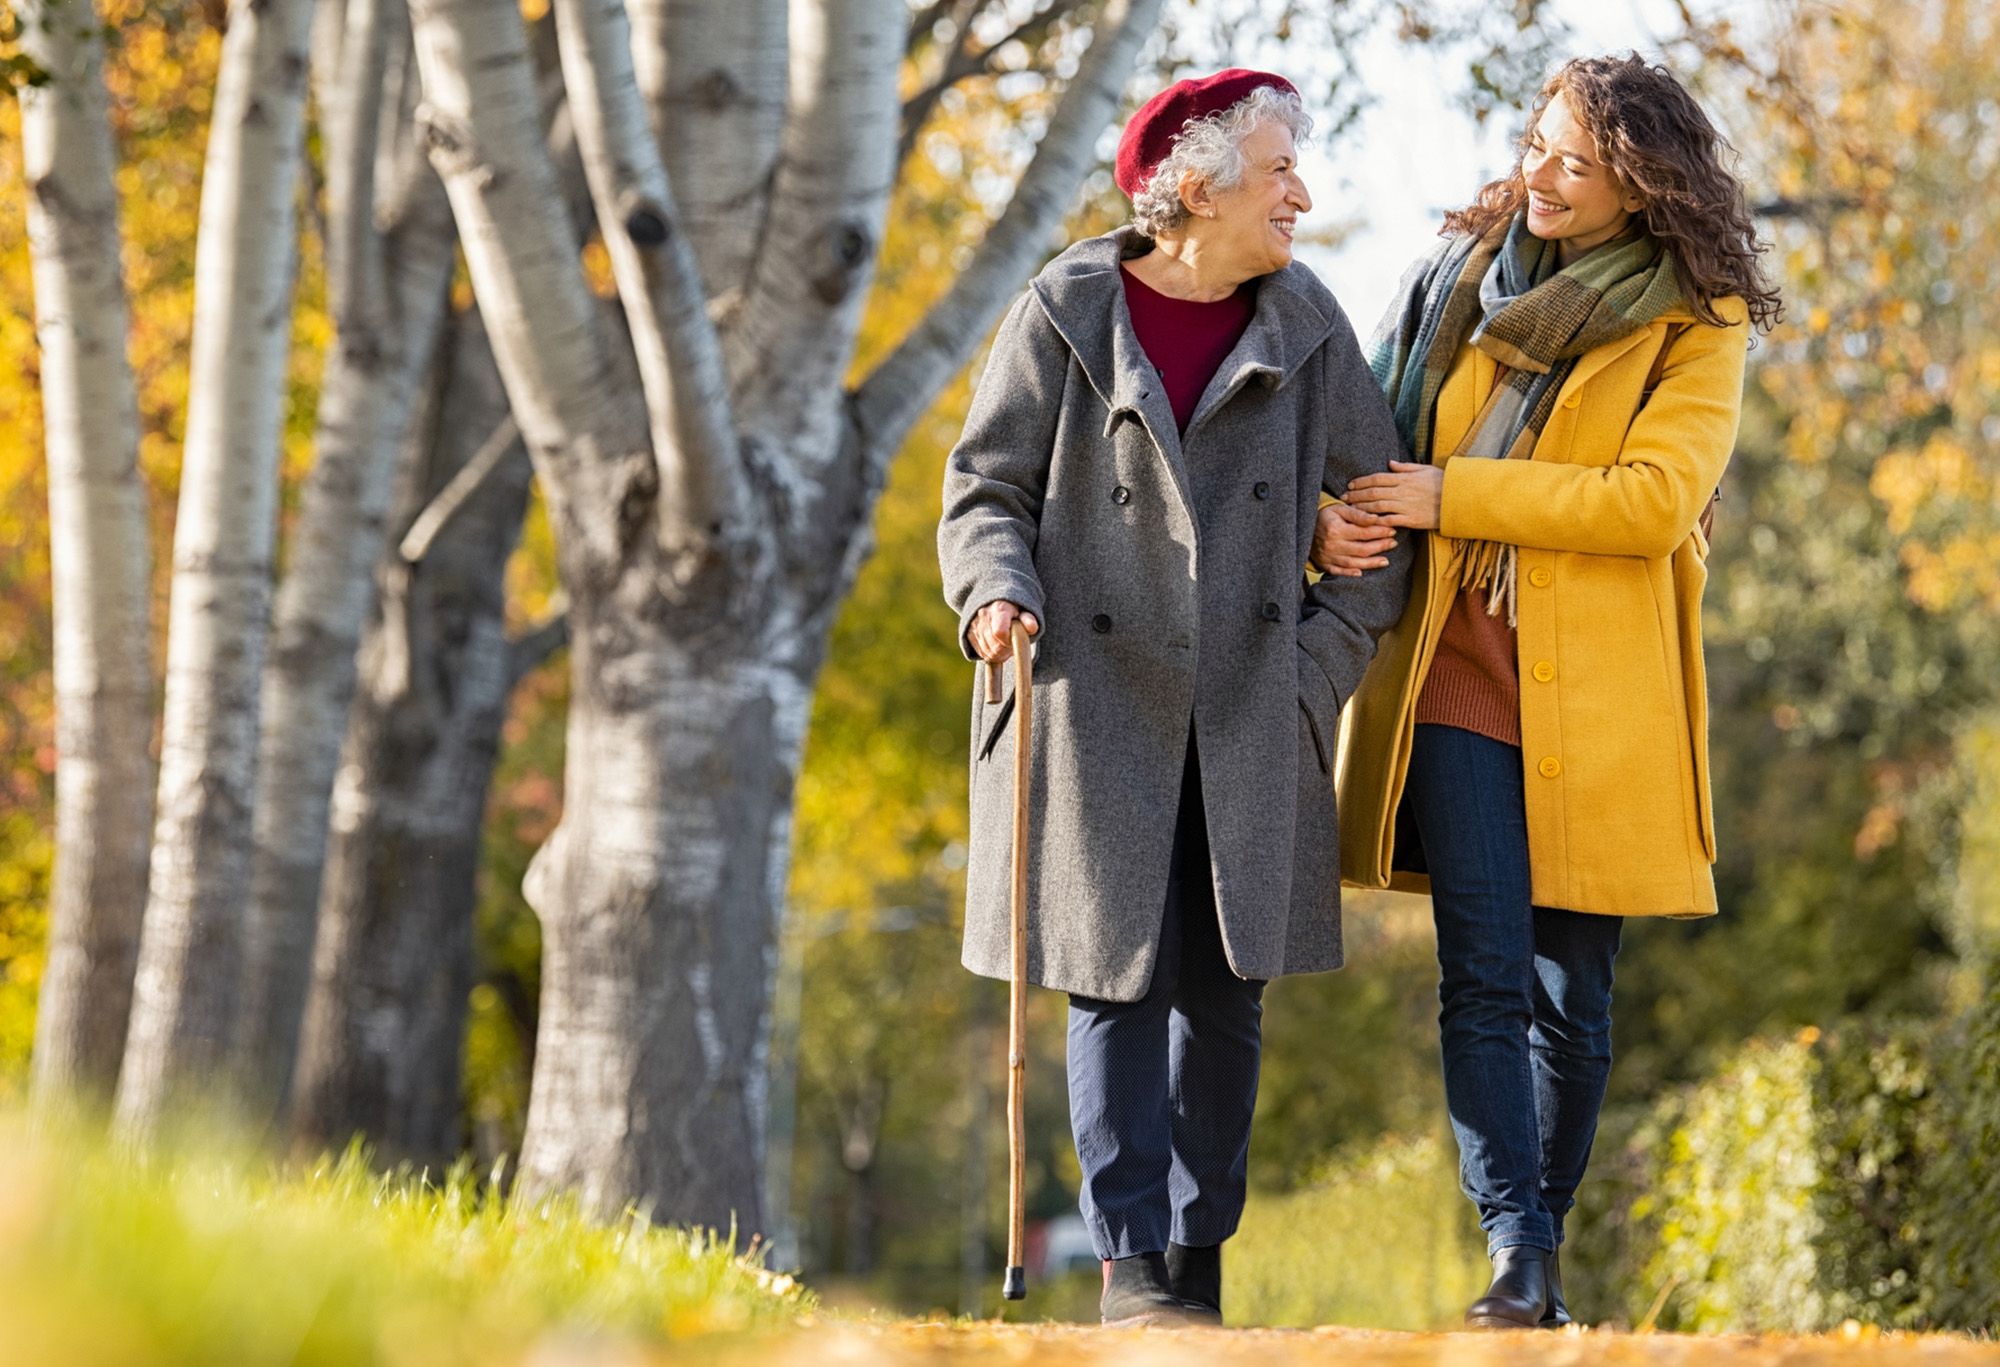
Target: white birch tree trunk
point(695, 637)
point(99, 547)
point(391, 252)
point(385, 1021)
point(713, 77)
point(190, 954)
point(385, 1016)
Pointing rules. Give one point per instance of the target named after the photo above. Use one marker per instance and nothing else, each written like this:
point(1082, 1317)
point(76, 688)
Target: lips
point(1285, 226)
point(1546, 206)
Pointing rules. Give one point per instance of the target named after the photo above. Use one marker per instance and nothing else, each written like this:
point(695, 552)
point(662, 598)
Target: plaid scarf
point(1506, 294)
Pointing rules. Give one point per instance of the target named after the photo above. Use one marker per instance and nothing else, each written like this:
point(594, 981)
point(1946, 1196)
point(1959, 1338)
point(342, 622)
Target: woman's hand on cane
point(992, 630)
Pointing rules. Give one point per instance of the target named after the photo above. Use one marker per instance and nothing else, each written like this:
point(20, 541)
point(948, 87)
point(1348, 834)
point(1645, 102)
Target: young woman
point(1530, 744)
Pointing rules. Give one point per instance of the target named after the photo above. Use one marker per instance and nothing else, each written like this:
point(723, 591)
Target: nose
point(1534, 168)
point(1300, 198)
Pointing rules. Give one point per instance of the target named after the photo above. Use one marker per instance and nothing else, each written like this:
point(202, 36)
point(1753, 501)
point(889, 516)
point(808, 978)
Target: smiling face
point(1573, 197)
point(1251, 224)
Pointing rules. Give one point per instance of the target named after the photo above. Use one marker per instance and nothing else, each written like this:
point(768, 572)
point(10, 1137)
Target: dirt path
point(837, 1345)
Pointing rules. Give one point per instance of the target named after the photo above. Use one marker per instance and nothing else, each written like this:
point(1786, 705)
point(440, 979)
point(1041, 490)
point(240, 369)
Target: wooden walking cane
point(1016, 1285)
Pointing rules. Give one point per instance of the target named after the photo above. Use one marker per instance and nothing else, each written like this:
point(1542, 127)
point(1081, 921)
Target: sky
point(1415, 153)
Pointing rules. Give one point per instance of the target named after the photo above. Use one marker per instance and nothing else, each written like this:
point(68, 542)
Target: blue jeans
point(1161, 1089)
point(1525, 993)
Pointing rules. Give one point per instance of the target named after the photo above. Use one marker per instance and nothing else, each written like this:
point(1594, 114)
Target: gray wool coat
point(1168, 576)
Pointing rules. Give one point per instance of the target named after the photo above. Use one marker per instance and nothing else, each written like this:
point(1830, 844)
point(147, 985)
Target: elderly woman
point(1137, 481)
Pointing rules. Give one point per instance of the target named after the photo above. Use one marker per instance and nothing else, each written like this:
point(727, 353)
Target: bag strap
point(1674, 330)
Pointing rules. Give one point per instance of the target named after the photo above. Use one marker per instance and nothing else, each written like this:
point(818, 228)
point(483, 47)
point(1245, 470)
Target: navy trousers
point(1161, 1089)
point(1524, 993)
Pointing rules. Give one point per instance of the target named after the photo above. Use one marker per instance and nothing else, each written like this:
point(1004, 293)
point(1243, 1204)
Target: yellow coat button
point(1551, 767)
point(1544, 671)
point(1539, 577)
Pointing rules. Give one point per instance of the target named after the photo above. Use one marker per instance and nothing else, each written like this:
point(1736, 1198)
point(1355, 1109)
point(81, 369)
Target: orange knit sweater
point(1474, 681)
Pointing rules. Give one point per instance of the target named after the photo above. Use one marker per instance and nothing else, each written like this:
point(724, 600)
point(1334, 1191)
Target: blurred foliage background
point(1805, 1116)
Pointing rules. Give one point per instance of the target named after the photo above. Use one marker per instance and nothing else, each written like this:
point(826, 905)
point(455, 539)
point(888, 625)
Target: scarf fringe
point(1492, 567)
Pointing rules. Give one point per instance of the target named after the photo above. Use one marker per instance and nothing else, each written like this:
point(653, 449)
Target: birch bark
point(391, 251)
point(713, 78)
point(190, 952)
point(385, 1021)
point(385, 1016)
point(661, 890)
point(99, 547)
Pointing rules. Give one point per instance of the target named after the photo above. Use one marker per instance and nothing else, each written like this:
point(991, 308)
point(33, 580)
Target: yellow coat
point(1614, 701)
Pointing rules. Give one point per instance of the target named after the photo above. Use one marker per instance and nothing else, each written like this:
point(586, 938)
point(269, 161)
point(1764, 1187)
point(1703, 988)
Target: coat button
point(1100, 624)
point(1539, 576)
point(1121, 495)
point(1544, 671)
point(1270, 612)
point(1261, 489)
point(1550, 767)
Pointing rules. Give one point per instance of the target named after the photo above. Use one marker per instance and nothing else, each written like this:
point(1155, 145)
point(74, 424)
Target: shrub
point(1961, 1209)
point(1850, 1174)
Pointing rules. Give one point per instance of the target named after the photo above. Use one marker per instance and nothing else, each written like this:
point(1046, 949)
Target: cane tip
point(1016, 1286)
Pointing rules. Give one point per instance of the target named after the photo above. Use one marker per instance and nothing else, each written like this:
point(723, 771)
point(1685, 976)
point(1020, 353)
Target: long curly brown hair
point(1658, 143)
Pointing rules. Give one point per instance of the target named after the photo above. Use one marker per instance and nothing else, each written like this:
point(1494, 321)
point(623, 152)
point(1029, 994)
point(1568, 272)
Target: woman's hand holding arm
point(1348, 542)
point(1408, 496)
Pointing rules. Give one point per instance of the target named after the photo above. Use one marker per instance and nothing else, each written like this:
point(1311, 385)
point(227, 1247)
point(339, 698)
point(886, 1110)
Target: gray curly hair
point(1212, 148)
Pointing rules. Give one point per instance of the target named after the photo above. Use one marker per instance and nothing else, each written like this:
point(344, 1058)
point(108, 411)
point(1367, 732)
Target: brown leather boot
point(1519, 1294)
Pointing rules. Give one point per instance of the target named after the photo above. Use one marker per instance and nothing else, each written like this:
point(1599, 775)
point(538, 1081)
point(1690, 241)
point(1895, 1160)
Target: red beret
point(1149, 138)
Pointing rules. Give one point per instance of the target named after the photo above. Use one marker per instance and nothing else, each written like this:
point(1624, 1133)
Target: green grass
point(208, 1253)
point(1381, 1239)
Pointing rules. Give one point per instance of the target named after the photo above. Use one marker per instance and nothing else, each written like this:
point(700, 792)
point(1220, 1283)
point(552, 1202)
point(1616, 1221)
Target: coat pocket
point(996, 724)
point(1320, 702)
point(1318, 741)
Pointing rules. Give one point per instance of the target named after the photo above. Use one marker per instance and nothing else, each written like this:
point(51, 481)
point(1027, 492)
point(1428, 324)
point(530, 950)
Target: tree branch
point(527, 652)
point(450, 501)
point(353, 258)
point(926, 19)
point(895, 395)
point(965, 61)
point(703, 486)
point(483, 125)
point(712, 77)
point(793, 336)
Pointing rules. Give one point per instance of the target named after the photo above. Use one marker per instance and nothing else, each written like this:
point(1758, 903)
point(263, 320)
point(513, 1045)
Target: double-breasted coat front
point(1167, 572)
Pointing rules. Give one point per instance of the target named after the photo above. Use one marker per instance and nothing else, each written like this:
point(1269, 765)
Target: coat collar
point(1083, 292)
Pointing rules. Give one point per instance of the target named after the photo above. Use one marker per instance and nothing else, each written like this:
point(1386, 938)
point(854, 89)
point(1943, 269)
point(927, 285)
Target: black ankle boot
point(1557, 1315)
point(1519, 1294)
point(1137, 1291)
point(1195, 1274)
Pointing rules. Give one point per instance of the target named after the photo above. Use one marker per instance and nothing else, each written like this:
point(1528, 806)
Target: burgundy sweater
point(1187, 341)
